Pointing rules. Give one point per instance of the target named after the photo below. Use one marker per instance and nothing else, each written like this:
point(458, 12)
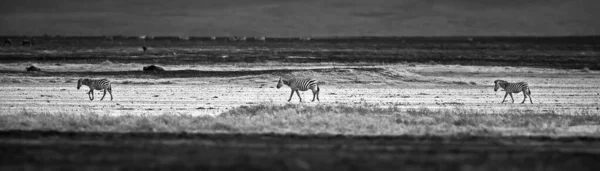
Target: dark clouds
point(300, 17)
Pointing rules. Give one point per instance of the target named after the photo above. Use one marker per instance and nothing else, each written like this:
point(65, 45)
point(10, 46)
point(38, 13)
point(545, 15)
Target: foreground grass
point(363, 119)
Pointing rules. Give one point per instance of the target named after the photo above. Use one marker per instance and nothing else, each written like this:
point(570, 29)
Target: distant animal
point(153, 68)
point(304, 38)
point(144, 48)
point(296, 84)
point(27, 42)
point(262, 39)
point(213, 38)
point(108, 38)
point(33, 68)
point(241, 38)
point(101, 84)
point(232, 39)
point(511, 88)
point(7, 42)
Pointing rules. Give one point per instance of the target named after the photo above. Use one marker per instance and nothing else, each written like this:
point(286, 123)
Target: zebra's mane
point(285, 80)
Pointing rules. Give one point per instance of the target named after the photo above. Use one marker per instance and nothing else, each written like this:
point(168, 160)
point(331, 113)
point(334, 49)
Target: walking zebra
point(302, 85)
point(101, 84)
point(511, 88)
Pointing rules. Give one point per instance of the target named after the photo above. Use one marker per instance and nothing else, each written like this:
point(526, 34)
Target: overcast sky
point(300, 17)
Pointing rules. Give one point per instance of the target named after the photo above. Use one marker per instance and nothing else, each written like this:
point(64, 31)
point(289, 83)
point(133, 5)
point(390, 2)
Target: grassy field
point(360, 119)
point(388, 103)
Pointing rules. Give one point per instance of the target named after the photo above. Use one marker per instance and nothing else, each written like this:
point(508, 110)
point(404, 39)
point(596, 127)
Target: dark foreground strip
point(55, 150)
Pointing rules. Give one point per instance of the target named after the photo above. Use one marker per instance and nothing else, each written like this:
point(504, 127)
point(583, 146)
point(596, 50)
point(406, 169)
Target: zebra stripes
point(511, 88)
point(101, 84)
point(302, 85)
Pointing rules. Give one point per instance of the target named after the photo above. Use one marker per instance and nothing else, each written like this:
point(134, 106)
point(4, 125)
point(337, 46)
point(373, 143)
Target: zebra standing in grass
point(302, 85)
point(511, 88)
point(101, 84)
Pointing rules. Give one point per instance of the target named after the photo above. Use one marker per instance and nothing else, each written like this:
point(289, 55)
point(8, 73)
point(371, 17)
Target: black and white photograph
point(300, 85)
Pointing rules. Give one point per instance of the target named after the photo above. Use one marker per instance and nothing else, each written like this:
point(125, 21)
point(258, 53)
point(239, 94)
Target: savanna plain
point(387, 103)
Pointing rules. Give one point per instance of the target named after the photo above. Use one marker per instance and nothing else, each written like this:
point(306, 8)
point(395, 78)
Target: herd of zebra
point(297, 84)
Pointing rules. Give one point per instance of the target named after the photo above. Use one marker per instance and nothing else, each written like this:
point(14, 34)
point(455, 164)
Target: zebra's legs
point(110, 91)
point(91, 94)
point(291, 96)
point(531, 101)
point(506, 94)
point(511, 97)
point(318, 91)
point(315, 94)
point(103, 95)
point(525, 94)
point(298, 93)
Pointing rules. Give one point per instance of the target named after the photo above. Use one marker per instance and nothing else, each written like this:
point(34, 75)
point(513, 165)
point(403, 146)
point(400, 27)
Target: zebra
point(511, 88)
point(101, 84)
point(302, 85)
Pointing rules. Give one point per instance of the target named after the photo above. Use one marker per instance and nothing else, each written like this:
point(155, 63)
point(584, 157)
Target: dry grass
point(362, 119)
point(145, 82)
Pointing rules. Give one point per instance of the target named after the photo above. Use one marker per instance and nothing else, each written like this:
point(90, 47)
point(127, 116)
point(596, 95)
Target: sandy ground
point(430, 86)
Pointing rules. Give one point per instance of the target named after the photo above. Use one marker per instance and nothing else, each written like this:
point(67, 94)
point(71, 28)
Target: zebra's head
point(280, 83)
point(79, 83)
point(497, 84)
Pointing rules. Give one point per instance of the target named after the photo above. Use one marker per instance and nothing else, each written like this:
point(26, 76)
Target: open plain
point(421, 93)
